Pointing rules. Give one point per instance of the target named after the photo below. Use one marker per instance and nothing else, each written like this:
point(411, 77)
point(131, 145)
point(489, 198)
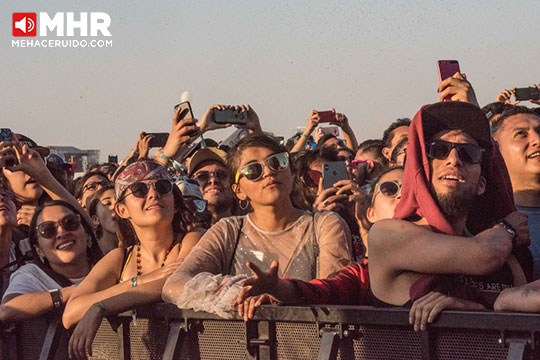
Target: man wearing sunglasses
point(517, 131)
point(455, 185)
point(207, 166)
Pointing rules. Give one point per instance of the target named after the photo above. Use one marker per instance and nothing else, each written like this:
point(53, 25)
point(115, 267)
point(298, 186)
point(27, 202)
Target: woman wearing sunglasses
point(155, 235)
point(348, 287)
point(64, 249)
point(307, 245)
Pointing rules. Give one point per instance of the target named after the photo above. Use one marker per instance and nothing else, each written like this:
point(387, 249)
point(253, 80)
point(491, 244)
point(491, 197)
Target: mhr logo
point(25, 24)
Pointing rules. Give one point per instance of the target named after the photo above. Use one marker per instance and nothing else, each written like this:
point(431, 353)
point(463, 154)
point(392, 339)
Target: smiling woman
point(64, 249)
point(155, 234)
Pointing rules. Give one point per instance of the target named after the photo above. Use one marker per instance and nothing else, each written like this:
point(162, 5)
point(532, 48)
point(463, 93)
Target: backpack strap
point(238, 232)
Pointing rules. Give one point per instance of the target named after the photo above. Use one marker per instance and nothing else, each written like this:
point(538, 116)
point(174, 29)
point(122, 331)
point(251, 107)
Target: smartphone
point(186, 113)
point(113, 159)
point(326, 116)
point(529, 93)
point(158, 139)
point(230, 116)
point(334, 130)
point(447, 68)
point(6, 134)
point(333, 172)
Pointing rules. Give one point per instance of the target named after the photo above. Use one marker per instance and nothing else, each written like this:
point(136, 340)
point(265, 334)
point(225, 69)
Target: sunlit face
point(519, 142)
point(453, 176)
point(105, 211)
point(66, 246)
point(91, 186)
point(216, 189)
point(26, 189)
point(383, 206)
point(272, 188)
point(152, 210)
point(8, 211)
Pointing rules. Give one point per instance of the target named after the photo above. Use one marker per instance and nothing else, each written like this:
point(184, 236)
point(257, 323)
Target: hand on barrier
point(81, 340)
point(428, 307)
point(260, 283)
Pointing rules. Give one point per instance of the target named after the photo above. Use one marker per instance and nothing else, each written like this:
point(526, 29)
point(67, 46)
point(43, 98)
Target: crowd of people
point(442, 212)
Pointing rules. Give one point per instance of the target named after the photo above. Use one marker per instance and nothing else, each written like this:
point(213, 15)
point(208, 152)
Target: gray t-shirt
point(30, 278)
point(534, 229)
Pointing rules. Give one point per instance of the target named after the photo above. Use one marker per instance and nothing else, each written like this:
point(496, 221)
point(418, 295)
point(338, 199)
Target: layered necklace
point(139, 265)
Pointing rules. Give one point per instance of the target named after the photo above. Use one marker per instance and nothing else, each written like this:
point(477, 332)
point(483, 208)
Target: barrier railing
point(289, 332)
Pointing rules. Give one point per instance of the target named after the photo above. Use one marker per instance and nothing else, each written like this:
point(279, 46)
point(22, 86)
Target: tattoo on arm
point(529, 290)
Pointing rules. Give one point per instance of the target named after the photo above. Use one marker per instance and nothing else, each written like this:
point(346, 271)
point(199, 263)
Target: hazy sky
point(375, 61)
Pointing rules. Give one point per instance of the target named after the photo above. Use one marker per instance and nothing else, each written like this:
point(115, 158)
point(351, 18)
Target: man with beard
point(455, 185)
point(207, 166)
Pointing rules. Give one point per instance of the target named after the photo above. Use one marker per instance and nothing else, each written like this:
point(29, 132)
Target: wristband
point(56, 297)
point(134, 281)
point(165, 157)
point(306, 136)
point(101, 307)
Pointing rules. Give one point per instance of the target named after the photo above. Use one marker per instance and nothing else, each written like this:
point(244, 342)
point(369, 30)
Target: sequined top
point(314, 246)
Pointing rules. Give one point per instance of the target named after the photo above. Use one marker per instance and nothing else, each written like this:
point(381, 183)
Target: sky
point(374, 61)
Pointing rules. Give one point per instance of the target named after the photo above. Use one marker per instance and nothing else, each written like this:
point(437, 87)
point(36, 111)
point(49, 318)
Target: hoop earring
point(243, 207)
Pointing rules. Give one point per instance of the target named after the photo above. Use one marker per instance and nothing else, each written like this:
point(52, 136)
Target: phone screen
point(186, 112)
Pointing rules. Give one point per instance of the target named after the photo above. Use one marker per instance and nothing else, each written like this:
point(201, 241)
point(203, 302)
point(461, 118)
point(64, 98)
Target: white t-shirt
point(30, 278)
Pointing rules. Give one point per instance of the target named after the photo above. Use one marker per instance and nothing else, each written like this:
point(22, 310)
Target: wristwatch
point(56, 297)
point(506, 226)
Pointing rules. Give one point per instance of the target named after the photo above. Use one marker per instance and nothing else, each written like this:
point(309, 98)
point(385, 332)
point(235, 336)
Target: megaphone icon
point(21, 24)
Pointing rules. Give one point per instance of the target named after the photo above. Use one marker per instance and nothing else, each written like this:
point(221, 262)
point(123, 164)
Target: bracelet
point(509, 228)
point(306, 136)
point(165, 157)
point(134, 281)
point(101, 307)
point(56, 297)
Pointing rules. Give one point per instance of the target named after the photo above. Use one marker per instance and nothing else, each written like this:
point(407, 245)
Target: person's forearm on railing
point(116, 299)
point(17, 307)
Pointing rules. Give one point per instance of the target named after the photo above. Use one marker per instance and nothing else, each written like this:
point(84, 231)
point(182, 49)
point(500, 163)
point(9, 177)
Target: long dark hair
point(182, 222)
point(92, 208)
point(93, 251)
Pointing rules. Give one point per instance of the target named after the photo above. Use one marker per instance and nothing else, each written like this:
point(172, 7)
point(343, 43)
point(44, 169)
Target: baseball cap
point(206, 154)
point(55, 161)
point(456, 115)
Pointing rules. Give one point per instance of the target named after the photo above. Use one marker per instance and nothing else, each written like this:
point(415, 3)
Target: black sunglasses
point(204, 176)
point(48, 229)
point(140, 189)
point(440, 149)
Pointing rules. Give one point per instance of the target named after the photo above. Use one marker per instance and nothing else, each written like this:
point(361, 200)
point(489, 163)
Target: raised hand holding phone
point(208, 122)
point(184, 131)
point(457, 88)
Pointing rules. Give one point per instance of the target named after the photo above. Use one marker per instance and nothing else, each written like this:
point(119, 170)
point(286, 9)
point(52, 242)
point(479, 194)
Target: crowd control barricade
point(163, 331)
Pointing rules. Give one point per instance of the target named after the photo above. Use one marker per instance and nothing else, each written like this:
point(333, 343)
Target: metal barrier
point(287, 332)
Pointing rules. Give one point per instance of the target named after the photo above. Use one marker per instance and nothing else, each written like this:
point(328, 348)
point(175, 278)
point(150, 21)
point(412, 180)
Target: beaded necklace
point(139, 266)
